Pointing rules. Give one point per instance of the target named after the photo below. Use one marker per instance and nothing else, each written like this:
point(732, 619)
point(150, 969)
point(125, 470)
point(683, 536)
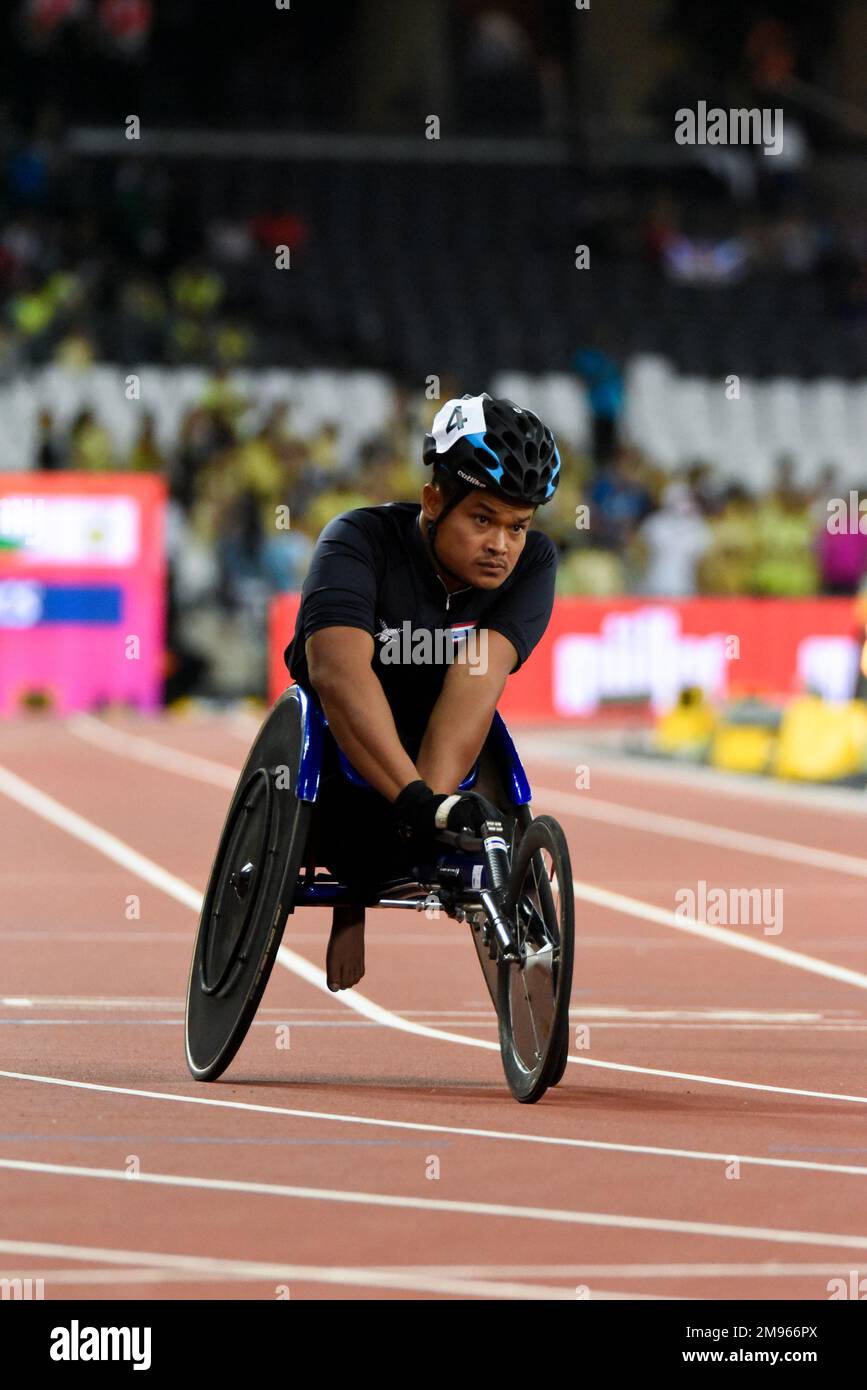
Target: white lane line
point(106, 1276)
point(613, 1013)
point(720, 936)
point(486, 1026)
point(699, 832)
point(628, 1013)
point(97, 1001)
point(649, 1014)
point(116, 849)
point(360, 1004)
point(797, 796)
point(116, 1020)
point(393, 1201)
point(614, 813)
point(156, 938)
point(765, 1269)
point(460, 1131)
point(415, 1281)
point(708, 1014)
point(147, 750)
point(191, 1267)
point(103, 841)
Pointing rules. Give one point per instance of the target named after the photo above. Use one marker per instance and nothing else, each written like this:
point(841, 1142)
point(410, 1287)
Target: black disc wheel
point(533, 995)
point(249, 894)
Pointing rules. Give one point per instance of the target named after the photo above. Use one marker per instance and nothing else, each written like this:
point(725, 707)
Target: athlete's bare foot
point(344, 959)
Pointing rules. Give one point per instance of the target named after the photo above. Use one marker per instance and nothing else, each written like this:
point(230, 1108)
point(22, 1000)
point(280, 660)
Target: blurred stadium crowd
point(250, 494)
point(721, 258)
point(161, 251)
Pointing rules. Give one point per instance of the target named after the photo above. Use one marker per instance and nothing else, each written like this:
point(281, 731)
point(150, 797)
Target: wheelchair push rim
point(533, 997)
point(249, 894)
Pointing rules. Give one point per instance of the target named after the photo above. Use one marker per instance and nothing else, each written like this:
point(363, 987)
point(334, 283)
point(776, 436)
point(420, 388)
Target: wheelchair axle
point(241, 879)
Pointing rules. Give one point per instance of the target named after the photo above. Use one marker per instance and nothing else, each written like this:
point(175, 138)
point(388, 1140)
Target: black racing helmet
point(491, 443)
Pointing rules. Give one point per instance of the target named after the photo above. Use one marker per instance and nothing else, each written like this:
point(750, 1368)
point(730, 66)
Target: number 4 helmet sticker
point(456, 419)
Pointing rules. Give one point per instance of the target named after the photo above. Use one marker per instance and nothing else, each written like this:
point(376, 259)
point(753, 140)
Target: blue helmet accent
point(555, 476)
point(479, 441)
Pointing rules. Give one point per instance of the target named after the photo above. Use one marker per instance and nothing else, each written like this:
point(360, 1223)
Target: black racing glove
point(420, 813)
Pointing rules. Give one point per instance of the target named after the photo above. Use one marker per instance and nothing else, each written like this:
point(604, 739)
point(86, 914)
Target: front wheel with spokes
point(533, 1002)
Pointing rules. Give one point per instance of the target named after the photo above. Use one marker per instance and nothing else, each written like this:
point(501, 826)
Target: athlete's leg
point(351, 838)
point(344, 958)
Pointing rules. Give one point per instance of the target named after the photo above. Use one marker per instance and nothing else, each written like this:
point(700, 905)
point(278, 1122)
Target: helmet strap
point(432, 528)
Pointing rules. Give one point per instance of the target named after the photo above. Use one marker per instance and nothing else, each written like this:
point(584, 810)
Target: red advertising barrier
point(605, 655)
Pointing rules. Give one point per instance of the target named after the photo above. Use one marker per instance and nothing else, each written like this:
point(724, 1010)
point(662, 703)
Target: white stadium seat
point(673, 419)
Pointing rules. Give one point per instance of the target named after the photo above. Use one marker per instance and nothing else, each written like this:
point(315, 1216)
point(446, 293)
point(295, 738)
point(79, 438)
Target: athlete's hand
point(420, 813)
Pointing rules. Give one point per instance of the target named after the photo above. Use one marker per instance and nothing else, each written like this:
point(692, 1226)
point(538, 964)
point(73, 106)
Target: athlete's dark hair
point(445, 481)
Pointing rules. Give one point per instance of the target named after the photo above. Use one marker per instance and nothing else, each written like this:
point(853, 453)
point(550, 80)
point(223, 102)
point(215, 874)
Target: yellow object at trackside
point(686, 730)
point(743, 747)
point(820, 741)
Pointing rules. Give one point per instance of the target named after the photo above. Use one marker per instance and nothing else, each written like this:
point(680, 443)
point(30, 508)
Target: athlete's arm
point(461, 718)
point(358, 713)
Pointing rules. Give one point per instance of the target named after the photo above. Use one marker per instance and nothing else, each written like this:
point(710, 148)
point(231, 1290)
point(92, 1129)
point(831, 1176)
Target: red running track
point(708, 1139)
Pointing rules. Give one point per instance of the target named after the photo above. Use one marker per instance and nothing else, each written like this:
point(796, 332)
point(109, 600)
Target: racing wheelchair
point(512, 885)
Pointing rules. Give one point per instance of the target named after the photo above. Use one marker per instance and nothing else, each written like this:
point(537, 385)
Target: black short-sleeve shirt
point(370, 570)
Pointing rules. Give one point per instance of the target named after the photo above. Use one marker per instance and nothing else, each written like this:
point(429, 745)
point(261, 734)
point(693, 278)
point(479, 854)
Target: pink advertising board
point(82, 590)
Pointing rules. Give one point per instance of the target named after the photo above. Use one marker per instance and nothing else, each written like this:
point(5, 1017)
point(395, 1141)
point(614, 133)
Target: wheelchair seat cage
point(453, 882)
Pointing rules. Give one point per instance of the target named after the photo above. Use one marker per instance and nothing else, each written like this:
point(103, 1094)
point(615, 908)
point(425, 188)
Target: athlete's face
point(481, 539)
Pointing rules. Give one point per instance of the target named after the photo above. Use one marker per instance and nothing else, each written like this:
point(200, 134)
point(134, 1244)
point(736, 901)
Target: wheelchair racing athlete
point(462, 564)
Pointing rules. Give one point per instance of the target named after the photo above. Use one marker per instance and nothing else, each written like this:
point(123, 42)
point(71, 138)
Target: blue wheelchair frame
point(323, 893)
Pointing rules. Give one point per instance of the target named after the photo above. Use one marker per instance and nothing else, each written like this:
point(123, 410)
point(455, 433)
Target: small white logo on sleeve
point(386, 633)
